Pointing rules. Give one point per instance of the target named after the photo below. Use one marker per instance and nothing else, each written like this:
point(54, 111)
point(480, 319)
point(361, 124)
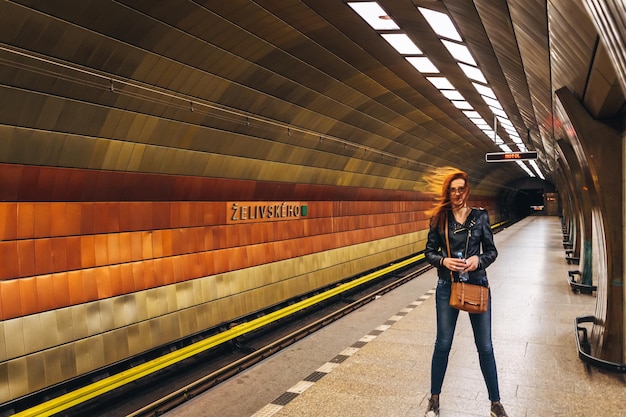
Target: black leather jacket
point(477, 224)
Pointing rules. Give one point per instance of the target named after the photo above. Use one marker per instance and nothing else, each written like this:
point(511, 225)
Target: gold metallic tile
point(49, 329)
point(107, 314)
point(4, 382)
point(109, 343)
point(33, 340)
point(18, 377)
point(35, 371)
point(125, 311)
point(153, 302)
point(82, 356)
point(96, 351)
point(79, 321)
point(67, 361)
point(184, 295)
point(14, 335)
point(141, 305)
point(92, 318)
point(3, 346)
point(64, 326)
point(52, 366)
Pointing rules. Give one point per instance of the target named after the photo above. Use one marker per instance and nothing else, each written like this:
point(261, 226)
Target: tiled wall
point(88, 282)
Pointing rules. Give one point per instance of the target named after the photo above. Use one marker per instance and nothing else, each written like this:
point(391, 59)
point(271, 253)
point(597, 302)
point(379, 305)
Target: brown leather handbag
point(465, 296)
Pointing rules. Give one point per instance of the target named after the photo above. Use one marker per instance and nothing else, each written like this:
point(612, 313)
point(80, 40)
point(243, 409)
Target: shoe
point(433, 408)
point(497, 410)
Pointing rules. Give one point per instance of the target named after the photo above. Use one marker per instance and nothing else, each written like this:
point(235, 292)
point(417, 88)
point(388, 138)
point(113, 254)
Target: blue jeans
point(446, 323)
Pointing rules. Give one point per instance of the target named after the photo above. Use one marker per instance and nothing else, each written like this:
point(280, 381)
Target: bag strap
point(448, 244)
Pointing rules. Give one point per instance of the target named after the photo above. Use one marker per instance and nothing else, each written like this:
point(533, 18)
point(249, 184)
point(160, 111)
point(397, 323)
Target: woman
point(468, 230)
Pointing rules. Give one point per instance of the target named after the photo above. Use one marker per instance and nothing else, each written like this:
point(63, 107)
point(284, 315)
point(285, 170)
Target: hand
point(458, 265)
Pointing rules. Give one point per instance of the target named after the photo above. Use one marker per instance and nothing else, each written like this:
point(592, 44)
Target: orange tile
point(76, 287)
point(157, 243)
point(147, 245)
point(59, 253)
point(74, 255)
point(9, 260)
point(138, 274)
point(180, 268)
point(101, 249)
point(43, 220)
point(87, 251)
point(106, 217)
point(87, 217)
point(147, 268)
point(159, 276)
point(126, 278)
point(45, 291)
point(59, 221)
point(126, 250)
point(43, 256)
point(113, 248)
point(61, 290)
point(8, 221)
point(90, 284)
point(167, 270)
point(26, 257)
point(73, 211)
point(103, 281)
point(25, 220)
point(136, 246)
point(115, 277)
point(166, 242)
point(10, 299)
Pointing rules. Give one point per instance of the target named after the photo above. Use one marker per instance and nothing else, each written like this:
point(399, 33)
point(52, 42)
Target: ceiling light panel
point(441, 24)
point(441, 83)
point(462, 104)
point(484, 90)
point(473, 73)
point(374, 15)
point(402, 43)
point(459, 52)
point(452, 95)
point(422, 64)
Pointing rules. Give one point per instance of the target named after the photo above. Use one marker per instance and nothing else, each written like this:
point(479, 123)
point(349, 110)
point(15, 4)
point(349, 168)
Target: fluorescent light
point(505, 148)
point(441, 24)
point(441, 83)
point(472, 114)
point(504, 121)
point(497, 112)
point(374, 15)
point(536, 168)
point(492, 102)
point(525, 168)
point(459, 52)
point(402, 43)
point(422, 64)
point(462, 105)
point(473, 73)
point(484, 90)
point(452, 95)
point(480, 121)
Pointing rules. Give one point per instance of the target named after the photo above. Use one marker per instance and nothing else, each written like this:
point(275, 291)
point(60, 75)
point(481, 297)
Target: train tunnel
point(173, 167)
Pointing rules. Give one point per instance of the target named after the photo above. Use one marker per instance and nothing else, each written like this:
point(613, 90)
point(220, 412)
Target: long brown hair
point(438, 182)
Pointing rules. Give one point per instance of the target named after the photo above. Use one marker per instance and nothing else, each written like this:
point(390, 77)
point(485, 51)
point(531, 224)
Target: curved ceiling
point(297, 91)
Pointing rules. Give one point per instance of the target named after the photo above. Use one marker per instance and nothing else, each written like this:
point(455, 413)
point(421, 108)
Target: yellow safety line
point(105, 385)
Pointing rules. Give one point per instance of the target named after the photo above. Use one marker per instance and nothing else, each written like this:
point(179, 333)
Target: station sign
point(510, 156)
point(256, 211)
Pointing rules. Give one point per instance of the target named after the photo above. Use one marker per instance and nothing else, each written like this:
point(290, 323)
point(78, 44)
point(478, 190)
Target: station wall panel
point(87, 281)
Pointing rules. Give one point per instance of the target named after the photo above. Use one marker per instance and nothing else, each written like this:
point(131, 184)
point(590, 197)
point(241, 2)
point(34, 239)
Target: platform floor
point(386, 371)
